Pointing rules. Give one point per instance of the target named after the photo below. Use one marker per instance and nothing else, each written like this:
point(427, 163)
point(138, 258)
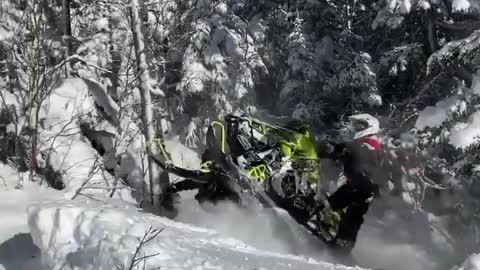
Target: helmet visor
point(359, 125)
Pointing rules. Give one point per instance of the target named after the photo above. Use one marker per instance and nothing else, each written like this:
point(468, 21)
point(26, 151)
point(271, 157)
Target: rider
point(361, 159)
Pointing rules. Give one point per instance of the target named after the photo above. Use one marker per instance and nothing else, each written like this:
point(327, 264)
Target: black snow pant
point(211, 191)
point(355, 196)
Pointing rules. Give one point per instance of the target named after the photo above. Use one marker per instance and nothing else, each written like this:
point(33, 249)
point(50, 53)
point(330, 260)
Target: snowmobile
point(254, 163)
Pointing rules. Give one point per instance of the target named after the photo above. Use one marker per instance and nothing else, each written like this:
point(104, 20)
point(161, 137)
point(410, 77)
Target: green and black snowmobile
point(249, 161)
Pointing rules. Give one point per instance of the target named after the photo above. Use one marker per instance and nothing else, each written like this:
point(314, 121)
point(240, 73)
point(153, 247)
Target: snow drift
point(17, 251)
point(435, 116)
point(464, 135)
point(471, 263)
point(91, 235)
point(78, 115)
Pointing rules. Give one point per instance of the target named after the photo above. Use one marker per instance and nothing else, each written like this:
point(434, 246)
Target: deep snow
point(92, 235)
point(77, 232)
point(86, 233)
point(471, 263)
point(17, 251)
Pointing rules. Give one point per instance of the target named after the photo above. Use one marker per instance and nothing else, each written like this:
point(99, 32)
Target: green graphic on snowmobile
point(293, 142)
point(259, 173)
point(223, 139)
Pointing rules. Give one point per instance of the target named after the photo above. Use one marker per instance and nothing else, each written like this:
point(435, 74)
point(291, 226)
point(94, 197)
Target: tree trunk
point(115, 67)
point(35, 71)
point(67, 31)
point(147, 111)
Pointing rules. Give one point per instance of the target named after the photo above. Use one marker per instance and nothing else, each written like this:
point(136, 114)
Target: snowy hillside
point(89, 235)
point(16, 248)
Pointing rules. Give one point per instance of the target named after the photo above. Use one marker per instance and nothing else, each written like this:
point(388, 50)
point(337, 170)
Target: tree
point(67, 32)
point(40, 74)
point(144, 86)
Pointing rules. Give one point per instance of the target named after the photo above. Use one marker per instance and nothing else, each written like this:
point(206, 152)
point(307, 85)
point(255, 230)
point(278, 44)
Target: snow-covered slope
point(17, 251)
point(471, 263)
point(91, 235)
point(78, 102)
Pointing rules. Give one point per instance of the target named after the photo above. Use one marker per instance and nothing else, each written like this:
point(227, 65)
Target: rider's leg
point(350, 225)
point(342, 197)
point(357, 199)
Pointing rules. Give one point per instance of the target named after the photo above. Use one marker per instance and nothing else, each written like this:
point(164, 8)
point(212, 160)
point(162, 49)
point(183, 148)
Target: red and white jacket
point(371, 142)
point(364, 159)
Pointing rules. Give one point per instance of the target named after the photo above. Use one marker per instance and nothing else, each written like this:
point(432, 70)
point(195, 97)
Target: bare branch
point(149, 235)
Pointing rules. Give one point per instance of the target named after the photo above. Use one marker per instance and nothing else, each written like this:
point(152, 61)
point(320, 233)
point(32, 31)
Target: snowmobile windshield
point(298, 126)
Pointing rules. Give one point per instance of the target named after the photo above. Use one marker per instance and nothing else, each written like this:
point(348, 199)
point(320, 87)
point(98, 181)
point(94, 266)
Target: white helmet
point(364, 125)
